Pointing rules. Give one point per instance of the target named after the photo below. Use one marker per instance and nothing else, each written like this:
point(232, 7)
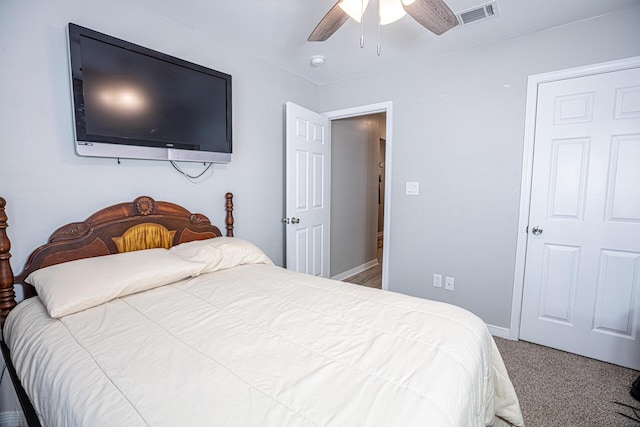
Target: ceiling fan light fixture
point(434, 15)
point(391, 11)
point(354, 8)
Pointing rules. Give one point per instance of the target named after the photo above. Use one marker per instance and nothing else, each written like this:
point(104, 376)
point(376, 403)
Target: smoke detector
point(317, 60)
point(478, 13)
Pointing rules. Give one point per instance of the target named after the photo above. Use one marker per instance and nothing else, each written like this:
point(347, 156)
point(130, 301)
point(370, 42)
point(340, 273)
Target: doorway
point(384, 113)
point(357, 198)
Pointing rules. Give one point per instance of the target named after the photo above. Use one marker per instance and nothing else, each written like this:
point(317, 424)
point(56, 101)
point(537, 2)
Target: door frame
point(527, 167)
point(363, 110)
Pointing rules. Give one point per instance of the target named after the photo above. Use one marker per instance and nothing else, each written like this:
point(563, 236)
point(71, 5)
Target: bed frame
point(141, 224)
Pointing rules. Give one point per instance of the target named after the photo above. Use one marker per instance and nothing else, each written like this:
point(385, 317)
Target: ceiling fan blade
point(434, 15)
point(329, 24)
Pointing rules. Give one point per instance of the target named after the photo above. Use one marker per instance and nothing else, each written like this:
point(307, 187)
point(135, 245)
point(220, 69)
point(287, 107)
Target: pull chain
point(361, 24)
point(379, 47)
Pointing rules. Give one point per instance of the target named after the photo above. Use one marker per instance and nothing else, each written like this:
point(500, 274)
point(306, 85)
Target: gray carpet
point(556, 388)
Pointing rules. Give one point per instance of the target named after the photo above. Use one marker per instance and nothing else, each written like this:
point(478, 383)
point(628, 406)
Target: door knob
point(285, 220)
point(536, 230)
point(295, 220)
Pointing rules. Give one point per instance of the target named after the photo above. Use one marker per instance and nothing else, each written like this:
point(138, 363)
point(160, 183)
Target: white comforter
point(258, 345)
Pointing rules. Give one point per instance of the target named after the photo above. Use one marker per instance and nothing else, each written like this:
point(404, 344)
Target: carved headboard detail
point(142, 224)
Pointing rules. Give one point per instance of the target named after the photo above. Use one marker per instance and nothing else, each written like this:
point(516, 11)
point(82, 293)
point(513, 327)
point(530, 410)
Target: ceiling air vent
point(478, 13)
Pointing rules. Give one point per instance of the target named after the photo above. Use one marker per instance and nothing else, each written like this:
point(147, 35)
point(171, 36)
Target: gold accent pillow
point(144, 236)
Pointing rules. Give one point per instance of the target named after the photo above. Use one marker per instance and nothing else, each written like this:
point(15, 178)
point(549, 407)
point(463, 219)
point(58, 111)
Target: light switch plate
point(412, 188)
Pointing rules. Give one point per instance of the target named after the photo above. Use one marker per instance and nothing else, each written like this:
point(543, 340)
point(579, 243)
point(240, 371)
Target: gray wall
point(46, 184)
point(458, 130)
point(354, 192)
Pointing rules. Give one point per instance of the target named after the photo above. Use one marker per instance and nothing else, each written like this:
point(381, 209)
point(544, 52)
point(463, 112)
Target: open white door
point(308, 174)
point(582, 274)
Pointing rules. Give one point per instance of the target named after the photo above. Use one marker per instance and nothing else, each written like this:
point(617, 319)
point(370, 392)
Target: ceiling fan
point(434, 15)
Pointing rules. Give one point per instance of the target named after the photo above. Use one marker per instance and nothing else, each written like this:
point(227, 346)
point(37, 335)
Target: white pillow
point(77, 285)
point(221, 253)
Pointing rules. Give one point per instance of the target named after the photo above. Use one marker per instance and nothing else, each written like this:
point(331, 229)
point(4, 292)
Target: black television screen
point(133, 102)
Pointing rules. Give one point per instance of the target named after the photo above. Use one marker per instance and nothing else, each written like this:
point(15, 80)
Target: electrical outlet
point(448, 283)
point(437, 280)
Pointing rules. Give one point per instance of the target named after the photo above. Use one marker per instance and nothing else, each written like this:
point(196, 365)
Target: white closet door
point(582, 276)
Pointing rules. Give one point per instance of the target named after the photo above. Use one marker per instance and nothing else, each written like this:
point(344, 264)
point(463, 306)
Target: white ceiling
point(276, 31)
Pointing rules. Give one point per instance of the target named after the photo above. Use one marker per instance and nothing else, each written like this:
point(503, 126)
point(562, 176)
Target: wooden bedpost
point(7, 295)
point(229, 220)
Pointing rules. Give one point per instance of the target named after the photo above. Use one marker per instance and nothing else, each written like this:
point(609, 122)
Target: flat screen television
point(134, 102)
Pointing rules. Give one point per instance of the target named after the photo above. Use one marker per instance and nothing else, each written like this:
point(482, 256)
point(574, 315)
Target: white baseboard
point(499, 331)
point(356, 270)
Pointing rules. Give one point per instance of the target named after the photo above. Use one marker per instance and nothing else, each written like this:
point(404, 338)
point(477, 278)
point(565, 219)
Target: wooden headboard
point(141, 224)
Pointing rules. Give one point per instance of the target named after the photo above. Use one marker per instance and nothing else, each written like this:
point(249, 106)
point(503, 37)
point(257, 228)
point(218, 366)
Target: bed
point(143, 314)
